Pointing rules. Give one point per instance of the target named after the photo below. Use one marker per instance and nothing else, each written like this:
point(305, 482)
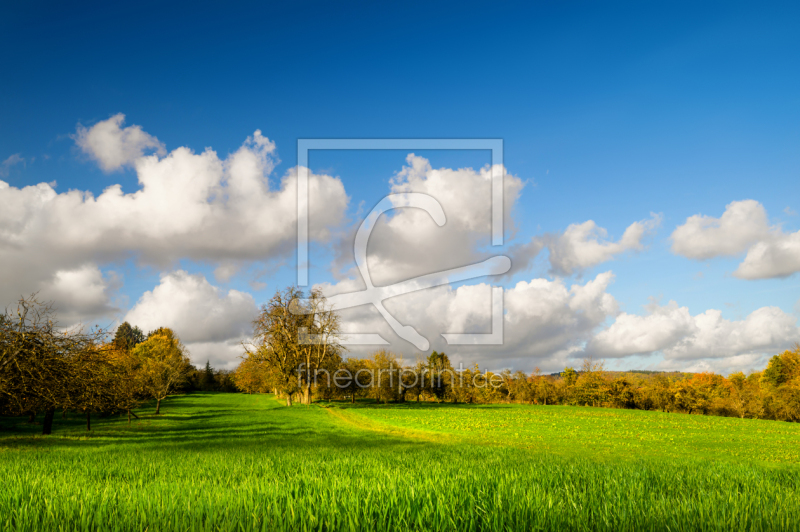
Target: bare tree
point(41, 365)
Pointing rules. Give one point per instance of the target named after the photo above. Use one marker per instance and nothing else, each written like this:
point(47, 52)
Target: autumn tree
point(295, 337)
point(129, 387)
point(385, 369)
point(352, 378)
point(165, 363)
point(251, 376)
point(40, 363)
point(318, 339)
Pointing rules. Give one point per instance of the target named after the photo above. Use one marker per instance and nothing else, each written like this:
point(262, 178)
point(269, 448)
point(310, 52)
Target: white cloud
point(724, 366)
point(190, 206)
point(81, 294)
point(778, 255)
point(631, 334)
point(545, 321)
point(406, 242)
point(583, 246)
point(789, 211)
point(703, 237)
point(194, 308)
point(705, 338)
point(113, 146)
point(222, 355)
point(6, 165)
point(742, 227)
point(210, 321)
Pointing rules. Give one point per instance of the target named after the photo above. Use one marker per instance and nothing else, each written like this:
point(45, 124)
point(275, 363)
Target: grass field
point(238, 462)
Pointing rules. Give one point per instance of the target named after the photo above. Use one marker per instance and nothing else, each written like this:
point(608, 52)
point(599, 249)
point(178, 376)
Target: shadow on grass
point(203, 422)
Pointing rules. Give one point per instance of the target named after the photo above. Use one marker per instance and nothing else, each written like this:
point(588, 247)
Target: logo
point(375, 295)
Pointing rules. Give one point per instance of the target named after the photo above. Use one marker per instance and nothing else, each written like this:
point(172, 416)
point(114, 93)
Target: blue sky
point(608, 112)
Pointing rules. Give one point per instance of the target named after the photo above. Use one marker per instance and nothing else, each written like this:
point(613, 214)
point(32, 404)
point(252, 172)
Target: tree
point(127, 337)
point(165, 364)
point(275, 334)
point(251, 376)
point(40, 363)
point(129, 385)
point(384, 367)
point(319, 338)
point(208, 381)
point(352, 378)
point(91, 386)
point(440, 373)
point(591, 385)
point(295, 338)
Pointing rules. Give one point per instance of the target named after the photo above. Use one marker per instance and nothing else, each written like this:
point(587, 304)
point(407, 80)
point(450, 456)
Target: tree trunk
point(32, 417)
point(288, 399)
point(353, 397)
point(88, 420)
point(418, 394)
point(64, 414)
point(47, 425)
point(308, 393)
point(129, 418)
point(158, 406)
point(134, 414)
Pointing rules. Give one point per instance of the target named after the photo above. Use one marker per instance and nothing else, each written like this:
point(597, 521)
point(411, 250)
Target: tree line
point(45, 368)
point(297, 354)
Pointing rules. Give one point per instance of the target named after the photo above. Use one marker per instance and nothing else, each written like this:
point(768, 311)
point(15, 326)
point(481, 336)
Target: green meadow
point(246, 462)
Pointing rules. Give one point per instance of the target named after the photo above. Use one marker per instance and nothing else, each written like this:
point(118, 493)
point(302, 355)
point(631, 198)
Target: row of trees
point(770, 394)
point(44, 368)
point(297, 353)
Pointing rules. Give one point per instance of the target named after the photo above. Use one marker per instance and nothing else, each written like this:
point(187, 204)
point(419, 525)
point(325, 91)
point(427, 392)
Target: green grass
point(237, 462)
point(596, 432)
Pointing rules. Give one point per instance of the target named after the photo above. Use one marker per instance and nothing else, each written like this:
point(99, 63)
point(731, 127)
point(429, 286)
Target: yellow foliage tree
point(165, 364)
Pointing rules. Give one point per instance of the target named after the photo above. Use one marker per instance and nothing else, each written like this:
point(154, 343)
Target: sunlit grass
point(238, 462)
point(595, 432)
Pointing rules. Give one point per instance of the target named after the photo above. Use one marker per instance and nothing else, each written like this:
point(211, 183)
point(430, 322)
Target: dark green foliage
point(208, 380)
point(439, 375)
point(128, 337)
point(776, 373)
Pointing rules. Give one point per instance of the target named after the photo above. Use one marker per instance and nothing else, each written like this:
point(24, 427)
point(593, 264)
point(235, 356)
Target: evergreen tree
point(208, 381)
point(127, 337)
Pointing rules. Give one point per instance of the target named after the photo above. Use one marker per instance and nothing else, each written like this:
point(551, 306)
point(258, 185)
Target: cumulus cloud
point(12, 160)
point(189, 205)
point(703, 237)
point(686, 339)
point(82, 295)
point(210, 321)
point(544, 323)
point(742, 227)
point(114, 146)
point(778, 255)
point(583, 246)
point(407, 242)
